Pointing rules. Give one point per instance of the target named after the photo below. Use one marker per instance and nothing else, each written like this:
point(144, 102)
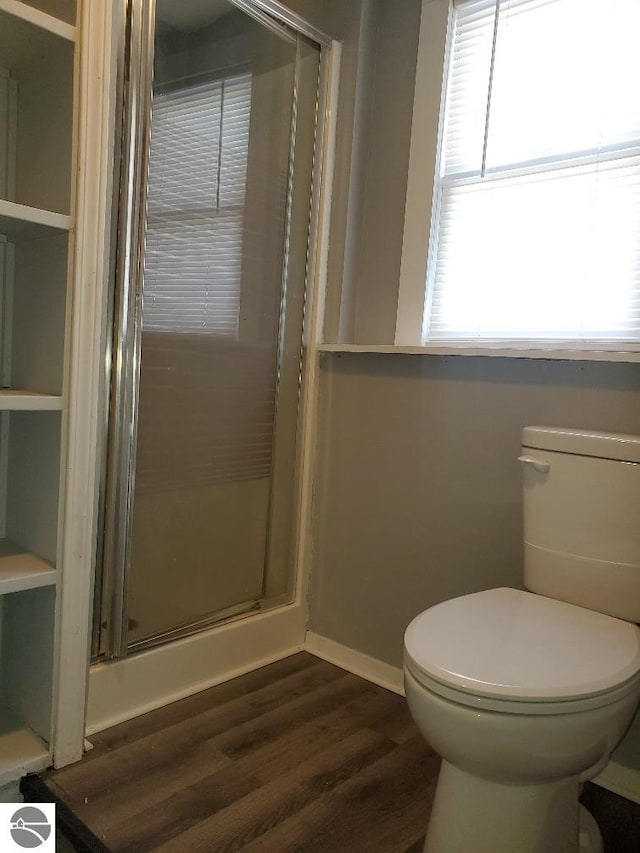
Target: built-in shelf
point(28, 401)
point(38, 131)
point(489, 351)
point(30, 36)
point(21, 750)
point(18, 221)
point(20, 570)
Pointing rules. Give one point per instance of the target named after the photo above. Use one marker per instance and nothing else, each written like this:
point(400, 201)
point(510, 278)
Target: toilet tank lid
point(604, 445)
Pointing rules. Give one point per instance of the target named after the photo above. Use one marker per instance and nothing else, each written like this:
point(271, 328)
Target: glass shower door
point(208, 339)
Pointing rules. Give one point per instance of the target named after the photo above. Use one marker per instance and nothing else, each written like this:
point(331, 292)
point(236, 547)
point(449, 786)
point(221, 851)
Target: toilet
point(524, 694)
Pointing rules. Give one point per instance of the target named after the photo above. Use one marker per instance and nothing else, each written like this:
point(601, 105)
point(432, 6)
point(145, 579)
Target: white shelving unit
point(37, 45)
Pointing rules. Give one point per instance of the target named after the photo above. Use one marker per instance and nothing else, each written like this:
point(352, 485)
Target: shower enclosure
point(218, 175)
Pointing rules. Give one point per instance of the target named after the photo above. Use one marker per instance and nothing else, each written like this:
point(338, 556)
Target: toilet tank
point(582, 518)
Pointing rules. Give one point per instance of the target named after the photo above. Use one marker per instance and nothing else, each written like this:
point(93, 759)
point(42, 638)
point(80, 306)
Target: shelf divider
point(39, 19)
point(20, 570)
point(28, 401)
point(19, 220)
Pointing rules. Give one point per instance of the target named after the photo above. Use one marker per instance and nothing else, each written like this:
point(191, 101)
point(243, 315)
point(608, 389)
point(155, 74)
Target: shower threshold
point(236, 611)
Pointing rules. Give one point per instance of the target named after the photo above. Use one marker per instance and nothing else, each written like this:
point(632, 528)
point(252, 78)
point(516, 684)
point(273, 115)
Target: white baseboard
point(123, 689)
point(622, 773)
point(622, 780)
point(356, 662)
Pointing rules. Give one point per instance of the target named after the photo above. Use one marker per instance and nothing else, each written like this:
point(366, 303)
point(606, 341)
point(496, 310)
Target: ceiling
point(189, 15)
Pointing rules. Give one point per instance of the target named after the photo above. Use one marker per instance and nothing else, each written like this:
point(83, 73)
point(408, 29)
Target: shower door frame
point(123, 362)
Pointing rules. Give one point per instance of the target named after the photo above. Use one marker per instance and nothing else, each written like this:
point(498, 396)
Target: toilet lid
point(516, 645)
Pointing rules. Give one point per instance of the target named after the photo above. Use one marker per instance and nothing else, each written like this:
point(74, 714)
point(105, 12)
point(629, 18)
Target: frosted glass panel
point(215, 389)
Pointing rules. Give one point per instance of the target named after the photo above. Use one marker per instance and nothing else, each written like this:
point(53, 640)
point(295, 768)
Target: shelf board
point(35, 26)
point(21, 221)
point(506, 351)
point(21, 750)
point(28, 401)
point(20, 570)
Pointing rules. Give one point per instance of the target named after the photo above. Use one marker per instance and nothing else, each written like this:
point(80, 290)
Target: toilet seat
point(516, 651)
point(520, 706)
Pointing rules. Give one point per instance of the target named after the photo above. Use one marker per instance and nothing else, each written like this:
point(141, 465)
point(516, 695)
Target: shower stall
point(220, 167)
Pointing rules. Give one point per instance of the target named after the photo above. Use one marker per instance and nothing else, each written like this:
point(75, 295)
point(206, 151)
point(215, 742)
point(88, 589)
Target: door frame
point(123, 364)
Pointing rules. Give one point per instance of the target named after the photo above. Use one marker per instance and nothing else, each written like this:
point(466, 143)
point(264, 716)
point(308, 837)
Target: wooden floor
point(297, 756)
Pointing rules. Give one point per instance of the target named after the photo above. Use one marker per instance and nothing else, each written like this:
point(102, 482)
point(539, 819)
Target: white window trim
point(423, 161)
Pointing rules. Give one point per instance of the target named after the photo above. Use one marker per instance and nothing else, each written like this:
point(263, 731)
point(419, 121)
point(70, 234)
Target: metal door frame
point(122, 360)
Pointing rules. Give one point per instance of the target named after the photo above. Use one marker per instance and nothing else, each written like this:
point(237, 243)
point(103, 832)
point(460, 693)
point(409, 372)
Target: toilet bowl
point(524, 698)
point(524, 694)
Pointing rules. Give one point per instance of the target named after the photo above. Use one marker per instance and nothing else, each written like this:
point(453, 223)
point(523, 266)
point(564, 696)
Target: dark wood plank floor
point(297, 756)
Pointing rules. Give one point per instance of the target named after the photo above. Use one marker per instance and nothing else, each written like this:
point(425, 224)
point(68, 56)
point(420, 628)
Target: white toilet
point(525, 694)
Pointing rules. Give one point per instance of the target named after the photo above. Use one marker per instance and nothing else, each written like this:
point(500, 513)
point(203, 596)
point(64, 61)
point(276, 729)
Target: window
point(196, 190)
point(536, 201)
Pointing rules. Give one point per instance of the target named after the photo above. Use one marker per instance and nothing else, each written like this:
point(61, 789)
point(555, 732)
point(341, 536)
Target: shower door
point(214, 218)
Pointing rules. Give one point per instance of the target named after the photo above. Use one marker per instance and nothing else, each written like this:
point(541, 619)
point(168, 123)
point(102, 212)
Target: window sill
point(507, 350)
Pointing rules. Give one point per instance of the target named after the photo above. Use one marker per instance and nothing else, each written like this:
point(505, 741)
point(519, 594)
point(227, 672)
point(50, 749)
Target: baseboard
point(123, 689)
point(356, 662)
point(622, 773)
point(621, 780)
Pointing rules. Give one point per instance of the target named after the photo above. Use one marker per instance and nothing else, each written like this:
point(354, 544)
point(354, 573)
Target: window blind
point(193, 361)
point(196, 188)
point(536, 231)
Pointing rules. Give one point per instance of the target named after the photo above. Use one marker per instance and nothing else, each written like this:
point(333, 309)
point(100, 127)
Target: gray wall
point(387, 129)
point(418, 496)
point(379, 49)
point(418, 489)
point(350, 22)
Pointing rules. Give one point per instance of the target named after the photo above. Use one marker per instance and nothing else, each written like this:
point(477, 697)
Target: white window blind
point(536, 227)
point(196, 189)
